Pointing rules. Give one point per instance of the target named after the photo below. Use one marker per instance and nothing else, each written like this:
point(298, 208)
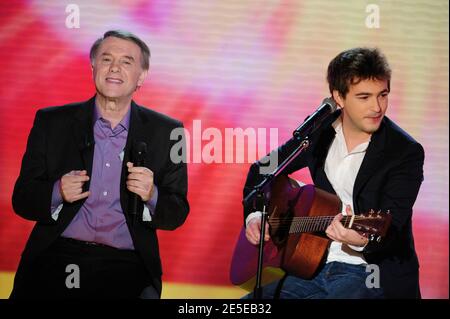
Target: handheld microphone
point(313, 121)
point(139, 153)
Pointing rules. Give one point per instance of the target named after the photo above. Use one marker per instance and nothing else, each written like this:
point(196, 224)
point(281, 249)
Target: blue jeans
point(335, 281)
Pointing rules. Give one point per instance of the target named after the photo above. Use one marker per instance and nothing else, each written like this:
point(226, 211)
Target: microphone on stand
point(309, 126)
point(313, 121)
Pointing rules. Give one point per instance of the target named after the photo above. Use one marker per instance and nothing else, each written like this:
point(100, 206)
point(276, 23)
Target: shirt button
point(105, 193)
point(108, 165)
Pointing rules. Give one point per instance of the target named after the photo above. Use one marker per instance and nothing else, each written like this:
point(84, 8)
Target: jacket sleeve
point(172, 206)
point(32, 193)
point(398, 196)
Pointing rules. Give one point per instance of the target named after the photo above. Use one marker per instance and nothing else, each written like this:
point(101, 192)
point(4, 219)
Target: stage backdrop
point(228, 64)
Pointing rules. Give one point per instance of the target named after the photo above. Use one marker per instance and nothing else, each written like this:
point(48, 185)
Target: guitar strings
point(311, 222)
point(312, 219)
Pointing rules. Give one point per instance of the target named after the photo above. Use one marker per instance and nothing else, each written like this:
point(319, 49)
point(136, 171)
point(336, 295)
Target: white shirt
point(341, 168)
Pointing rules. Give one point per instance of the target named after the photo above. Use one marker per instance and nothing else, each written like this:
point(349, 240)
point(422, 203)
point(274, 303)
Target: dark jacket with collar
point(61, 141)
point(389, 179)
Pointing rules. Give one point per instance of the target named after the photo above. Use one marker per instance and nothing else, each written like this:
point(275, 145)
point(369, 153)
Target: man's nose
point(376, 105)
point(114, 67)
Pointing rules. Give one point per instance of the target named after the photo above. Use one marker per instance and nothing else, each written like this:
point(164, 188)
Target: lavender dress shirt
point(101, 218)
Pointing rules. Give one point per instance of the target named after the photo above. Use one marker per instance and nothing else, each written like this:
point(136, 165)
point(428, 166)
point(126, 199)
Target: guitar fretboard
point(310, 224)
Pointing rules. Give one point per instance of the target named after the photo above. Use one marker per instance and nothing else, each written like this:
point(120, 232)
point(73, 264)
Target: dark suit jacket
point(389, 179)
point(61, 140)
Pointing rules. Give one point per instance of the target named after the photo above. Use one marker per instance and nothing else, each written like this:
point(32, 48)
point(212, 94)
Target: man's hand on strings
point(337, 232)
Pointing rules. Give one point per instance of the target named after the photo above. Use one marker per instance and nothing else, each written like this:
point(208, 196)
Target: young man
point(77, 181)
point(369, 162)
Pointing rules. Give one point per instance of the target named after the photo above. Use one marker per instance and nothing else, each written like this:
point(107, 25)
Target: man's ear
point(142, 77)
point(338, 98)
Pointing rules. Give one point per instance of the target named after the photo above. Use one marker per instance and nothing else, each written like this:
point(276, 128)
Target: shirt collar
point(124, 123)
point(337, 125)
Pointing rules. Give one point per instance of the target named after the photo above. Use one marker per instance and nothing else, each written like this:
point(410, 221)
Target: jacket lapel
point(372, 160)
point(83, 132)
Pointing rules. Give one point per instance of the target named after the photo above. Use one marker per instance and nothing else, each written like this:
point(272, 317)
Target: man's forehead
point(368, 85)
point(113, 45)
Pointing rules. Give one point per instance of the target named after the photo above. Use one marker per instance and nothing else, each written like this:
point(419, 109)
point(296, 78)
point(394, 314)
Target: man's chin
point(112, 95)
point(372, 129)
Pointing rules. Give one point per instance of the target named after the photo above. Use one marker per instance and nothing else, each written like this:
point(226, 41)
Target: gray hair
point(125, 35)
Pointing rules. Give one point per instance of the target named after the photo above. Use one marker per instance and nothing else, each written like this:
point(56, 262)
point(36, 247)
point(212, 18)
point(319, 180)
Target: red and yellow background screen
point(228, 64)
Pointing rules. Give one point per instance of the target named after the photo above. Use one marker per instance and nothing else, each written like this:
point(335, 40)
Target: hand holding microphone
point(139, 180)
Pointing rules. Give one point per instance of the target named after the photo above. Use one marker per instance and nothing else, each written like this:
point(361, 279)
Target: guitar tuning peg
point(388, 211)
point(378, 239)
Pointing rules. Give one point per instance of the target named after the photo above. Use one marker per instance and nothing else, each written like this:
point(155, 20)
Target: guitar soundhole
point(279, 227)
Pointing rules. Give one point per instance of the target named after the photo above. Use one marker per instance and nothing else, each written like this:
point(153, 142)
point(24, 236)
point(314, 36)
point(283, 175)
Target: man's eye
point(126, 62)
point(106, 60)
point(363, 97)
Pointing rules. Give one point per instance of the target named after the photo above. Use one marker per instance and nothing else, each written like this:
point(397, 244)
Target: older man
point(78, 183)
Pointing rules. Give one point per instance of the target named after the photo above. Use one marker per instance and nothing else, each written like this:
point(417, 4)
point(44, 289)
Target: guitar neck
point(311, 224)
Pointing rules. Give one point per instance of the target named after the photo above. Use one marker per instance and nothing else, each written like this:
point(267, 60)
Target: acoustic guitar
point(298, 218)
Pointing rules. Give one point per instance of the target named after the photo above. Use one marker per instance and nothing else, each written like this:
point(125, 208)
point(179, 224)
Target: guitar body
point(297, 253)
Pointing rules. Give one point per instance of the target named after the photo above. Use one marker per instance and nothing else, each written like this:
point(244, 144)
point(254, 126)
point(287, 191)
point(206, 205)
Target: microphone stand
point(262, 203)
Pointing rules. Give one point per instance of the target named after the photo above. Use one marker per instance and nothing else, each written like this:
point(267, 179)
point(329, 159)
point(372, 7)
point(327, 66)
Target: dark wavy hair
point(125, 35)
point(354, 65)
